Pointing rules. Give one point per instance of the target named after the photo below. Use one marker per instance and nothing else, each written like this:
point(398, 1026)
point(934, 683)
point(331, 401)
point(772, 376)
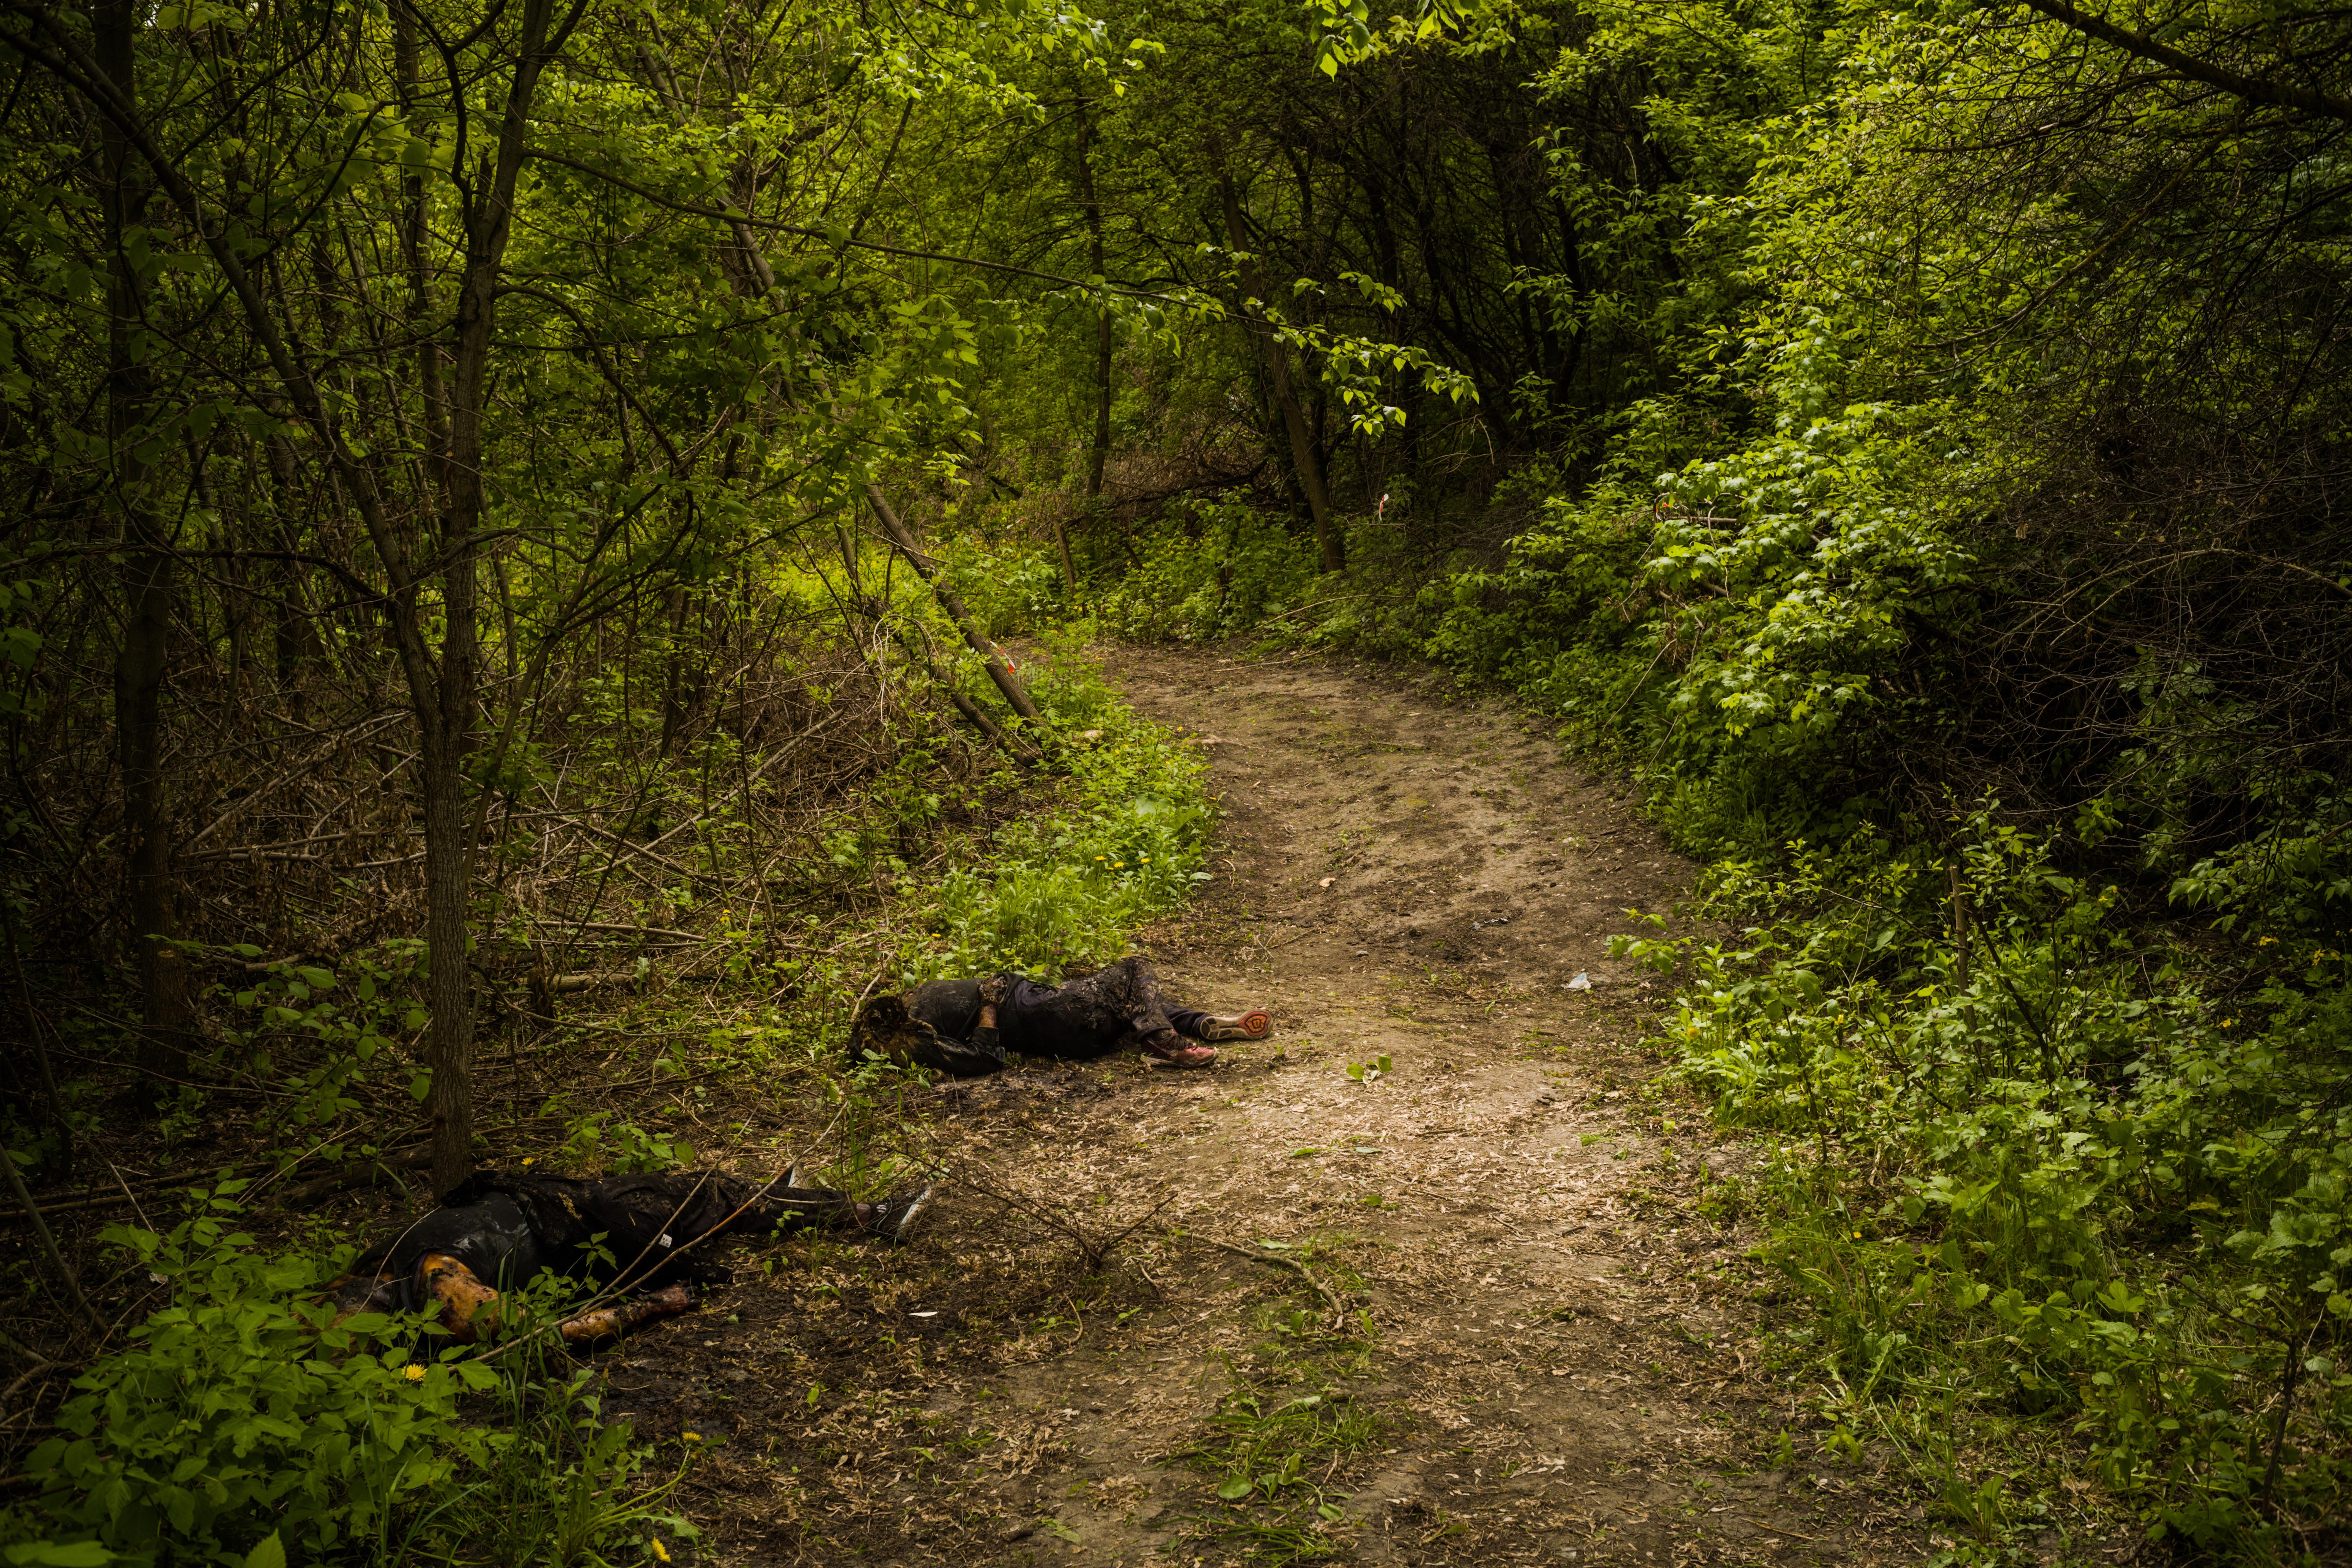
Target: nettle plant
point(316, 1031)
point(244, 1411)
point(2097, 1193)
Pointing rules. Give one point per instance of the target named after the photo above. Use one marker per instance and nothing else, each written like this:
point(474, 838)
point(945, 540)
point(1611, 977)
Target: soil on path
point(1524, 1331)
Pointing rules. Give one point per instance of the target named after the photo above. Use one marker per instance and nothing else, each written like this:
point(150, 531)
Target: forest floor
point(1526, 1330)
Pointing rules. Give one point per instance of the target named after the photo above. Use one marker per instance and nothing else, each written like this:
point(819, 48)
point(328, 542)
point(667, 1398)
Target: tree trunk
point(294, 635)
point(1329, 547)
point(681, 684)
point(412, 236)
point(147, 578)
point(441, 690)
point(447, 707)
point(997, 671)
point(1100, 454)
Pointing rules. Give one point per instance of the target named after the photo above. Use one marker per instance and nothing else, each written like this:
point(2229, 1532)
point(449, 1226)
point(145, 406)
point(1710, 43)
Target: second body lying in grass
point(648, 1235)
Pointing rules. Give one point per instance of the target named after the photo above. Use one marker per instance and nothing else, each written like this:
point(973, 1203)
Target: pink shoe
point(1176, 1051)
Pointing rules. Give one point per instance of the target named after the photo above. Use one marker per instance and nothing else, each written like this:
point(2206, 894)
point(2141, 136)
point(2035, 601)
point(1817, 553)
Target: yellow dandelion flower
point(660, 1551)
point(414, 1374)
point(692, 1437)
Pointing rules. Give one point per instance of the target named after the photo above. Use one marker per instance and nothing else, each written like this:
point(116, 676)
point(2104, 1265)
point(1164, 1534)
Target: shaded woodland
point(507, 509)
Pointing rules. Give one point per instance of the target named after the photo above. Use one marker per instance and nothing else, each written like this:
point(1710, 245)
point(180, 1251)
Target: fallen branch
point(38, 1370)
point(992, 658)
point(49, 1246)
point(363, 1173)
point(1269, 1260)
point(1093, 1248)
point(590, 980)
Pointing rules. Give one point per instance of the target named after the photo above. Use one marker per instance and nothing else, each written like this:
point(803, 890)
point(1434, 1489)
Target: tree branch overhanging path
point(2266, 91)
point(554, 552)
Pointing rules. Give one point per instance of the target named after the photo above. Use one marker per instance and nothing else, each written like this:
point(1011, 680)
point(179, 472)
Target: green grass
point(1284, 1428)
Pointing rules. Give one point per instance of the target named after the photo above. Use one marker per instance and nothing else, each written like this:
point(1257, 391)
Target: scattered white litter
point(922, 1314)
point(1581, 982)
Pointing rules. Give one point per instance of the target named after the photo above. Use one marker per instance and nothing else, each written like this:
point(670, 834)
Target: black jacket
point(508, 1227)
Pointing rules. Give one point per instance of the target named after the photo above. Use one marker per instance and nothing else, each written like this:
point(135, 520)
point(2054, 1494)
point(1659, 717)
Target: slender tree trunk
point(412, 236)
point(294, 635)
point(441, 692)
point(1328, 545)
point(147, 576)
point(447, 706)
point(998, 670)
point(684, 676)
point(34, 1027)
point(1100, 453)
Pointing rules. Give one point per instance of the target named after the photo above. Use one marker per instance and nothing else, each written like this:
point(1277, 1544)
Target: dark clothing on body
point(1075, 1021)
point(507, 1229)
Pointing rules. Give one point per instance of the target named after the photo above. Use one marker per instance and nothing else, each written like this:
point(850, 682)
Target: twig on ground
point(1093, 1248)
point(49, 1245)
point(1269, 1260)
point(40, 1369)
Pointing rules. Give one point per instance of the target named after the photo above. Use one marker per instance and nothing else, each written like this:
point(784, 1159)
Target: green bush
point(243, 1426)
point(1065, 889)
point(1216, 568)
point(2041, 1172)
point(243, 1411)
point(1009, 588)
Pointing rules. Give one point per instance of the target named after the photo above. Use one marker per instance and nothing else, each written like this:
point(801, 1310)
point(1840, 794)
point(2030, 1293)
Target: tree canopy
point(458, 454)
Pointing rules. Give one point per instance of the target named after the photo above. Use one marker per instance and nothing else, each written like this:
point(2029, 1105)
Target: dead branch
point(1269, 1260)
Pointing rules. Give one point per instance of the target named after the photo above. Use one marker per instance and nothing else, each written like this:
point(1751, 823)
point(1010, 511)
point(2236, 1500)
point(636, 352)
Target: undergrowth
point(243, 1426)
point(2059, 1195)
point(2060, 1188)
point(1284, 1427)
point(1064, 888)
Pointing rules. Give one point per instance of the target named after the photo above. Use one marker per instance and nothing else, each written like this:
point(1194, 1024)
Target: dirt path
point(1542, 1348)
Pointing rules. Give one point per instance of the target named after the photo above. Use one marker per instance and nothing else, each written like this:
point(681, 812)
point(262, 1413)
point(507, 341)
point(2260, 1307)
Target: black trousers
point(1080, 1019)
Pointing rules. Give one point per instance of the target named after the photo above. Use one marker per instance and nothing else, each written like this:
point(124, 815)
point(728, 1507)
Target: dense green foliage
point(450, 563)
point(1063, 890)
point(1952, 549)
point(1992, 647)
point(245, 1426)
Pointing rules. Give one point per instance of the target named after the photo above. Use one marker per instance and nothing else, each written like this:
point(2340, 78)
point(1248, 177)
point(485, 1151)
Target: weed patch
point(244, 1424)
point(2053, 1200)
point(1282, 1432)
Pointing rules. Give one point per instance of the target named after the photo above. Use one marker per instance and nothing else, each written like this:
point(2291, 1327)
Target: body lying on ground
point(966, 1027)
point(650, 1236)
